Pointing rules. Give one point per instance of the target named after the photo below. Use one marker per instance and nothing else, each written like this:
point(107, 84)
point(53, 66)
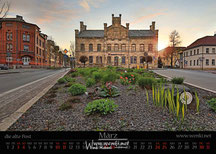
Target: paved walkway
point(200, 79)
point(13, 100)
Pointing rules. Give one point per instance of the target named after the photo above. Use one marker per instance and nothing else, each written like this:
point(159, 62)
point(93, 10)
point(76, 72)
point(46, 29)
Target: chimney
point(127, 25)
point(81, 26)
point(153, 25)
point(85, 27)
point(76, 32)
point(215, 33)
point(105, 25)
point(19, 17)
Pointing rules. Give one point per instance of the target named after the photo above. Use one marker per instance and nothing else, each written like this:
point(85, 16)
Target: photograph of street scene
point(107, 65)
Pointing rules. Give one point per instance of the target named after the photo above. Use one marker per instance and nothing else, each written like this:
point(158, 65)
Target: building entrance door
point(116, 60)
point(26, 60)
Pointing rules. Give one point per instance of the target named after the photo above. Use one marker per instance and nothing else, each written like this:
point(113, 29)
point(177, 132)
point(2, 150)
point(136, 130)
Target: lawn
point(119, 99)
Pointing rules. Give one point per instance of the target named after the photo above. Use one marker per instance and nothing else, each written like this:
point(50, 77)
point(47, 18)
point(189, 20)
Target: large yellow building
point(116, 45)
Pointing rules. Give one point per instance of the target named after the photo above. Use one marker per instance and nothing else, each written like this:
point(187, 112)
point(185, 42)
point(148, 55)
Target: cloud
point(44, 11)
point(87, 4)
point(140, 19)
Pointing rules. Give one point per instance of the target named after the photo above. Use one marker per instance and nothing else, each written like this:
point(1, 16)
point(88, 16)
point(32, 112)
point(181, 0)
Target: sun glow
point(162, 45)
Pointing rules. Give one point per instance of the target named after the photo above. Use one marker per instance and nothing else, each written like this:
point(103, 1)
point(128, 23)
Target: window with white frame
point(207, 62)
point(213, 62)
point(26, 48)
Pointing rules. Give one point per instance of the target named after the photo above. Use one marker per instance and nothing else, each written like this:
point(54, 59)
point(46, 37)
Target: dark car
point(3, 67)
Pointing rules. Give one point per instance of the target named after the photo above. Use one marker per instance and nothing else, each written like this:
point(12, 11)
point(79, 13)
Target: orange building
point(22, 44)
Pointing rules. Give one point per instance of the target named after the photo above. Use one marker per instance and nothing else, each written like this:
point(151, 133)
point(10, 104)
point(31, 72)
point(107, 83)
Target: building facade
point(21, 43)
point(201, 54)
point(116, 45)
point(54, 55)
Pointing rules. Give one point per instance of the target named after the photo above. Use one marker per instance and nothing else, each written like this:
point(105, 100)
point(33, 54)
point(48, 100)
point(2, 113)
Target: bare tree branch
point(5, 7)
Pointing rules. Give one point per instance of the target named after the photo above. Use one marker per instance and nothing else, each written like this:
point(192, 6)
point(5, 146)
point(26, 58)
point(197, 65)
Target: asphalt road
point(14, 80)
point(199, 78)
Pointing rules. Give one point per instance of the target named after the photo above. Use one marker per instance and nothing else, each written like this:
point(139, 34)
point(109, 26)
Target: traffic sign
point(65, 51)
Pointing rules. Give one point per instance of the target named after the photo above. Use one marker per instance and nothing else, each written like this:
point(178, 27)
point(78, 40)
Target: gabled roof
point(141, 33)
point(91, 33)
point(100, 33)
point(204, 41)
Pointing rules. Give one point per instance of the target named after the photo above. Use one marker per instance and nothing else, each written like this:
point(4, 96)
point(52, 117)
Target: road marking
point(12, 90)
point(10, 120)
point(188, 83)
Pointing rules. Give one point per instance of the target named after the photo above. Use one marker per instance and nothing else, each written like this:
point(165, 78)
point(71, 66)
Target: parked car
point(3, 67)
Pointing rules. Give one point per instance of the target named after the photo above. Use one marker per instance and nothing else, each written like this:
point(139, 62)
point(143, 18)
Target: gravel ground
point(133, 114)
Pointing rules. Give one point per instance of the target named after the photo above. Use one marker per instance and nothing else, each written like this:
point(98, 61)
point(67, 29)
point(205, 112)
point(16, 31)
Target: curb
point(7, 122)
point(2, 73)
point(169, 78)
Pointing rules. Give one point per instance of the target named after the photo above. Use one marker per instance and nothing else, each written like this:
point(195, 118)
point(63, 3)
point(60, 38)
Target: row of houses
point(22, 45)
point(201, 54)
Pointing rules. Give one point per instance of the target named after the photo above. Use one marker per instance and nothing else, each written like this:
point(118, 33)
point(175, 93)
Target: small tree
point(174, 39)
point(83, 59)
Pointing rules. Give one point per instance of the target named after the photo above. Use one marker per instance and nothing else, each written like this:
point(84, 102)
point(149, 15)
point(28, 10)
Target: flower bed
point(137, 110)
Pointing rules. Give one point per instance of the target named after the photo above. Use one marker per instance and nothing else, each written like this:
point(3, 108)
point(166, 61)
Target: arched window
point(123, 59)
point(90, 47)
point(109, 60)
point(123, 47)
point(150, 47)
point(82, 47)
point(90, 59)
point(142, 47)
point(99, 47)
point(108, 47)
point(133, 47)
point(141, 59)
point(116, 47)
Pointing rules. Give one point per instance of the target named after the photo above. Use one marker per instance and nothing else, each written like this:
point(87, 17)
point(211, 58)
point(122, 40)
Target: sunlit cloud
point(87, 4)
point(141, 19)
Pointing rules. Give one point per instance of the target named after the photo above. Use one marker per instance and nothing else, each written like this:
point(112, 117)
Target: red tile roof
point(204, 41)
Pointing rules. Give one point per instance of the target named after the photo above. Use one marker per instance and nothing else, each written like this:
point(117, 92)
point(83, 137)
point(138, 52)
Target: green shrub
point(61, 80)
point(77, 89)
point(74, 74)
point(212, 104)
point(177, 80)
point(69, 84)
point(147, 74)
point(90, 82)
point(84, 71)
point(69, 79)
point(162, 80)
point(97, 76)
point(109, 77)
point(65, 106)
point(146, 82)
point(102, 106)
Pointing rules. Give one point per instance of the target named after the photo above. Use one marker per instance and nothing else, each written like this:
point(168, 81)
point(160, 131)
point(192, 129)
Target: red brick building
point(22, 44)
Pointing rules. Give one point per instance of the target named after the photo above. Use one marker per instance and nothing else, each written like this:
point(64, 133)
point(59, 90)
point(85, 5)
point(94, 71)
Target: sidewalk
point(16, 102)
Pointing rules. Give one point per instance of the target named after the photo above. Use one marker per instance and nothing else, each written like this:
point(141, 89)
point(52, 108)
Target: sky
point(59, 18)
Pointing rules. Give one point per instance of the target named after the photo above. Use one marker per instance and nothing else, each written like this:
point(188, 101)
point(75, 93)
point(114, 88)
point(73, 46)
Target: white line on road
point(189, 84)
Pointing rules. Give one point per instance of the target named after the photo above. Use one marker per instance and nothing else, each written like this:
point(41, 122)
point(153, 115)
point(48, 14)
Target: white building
point(201, 54)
